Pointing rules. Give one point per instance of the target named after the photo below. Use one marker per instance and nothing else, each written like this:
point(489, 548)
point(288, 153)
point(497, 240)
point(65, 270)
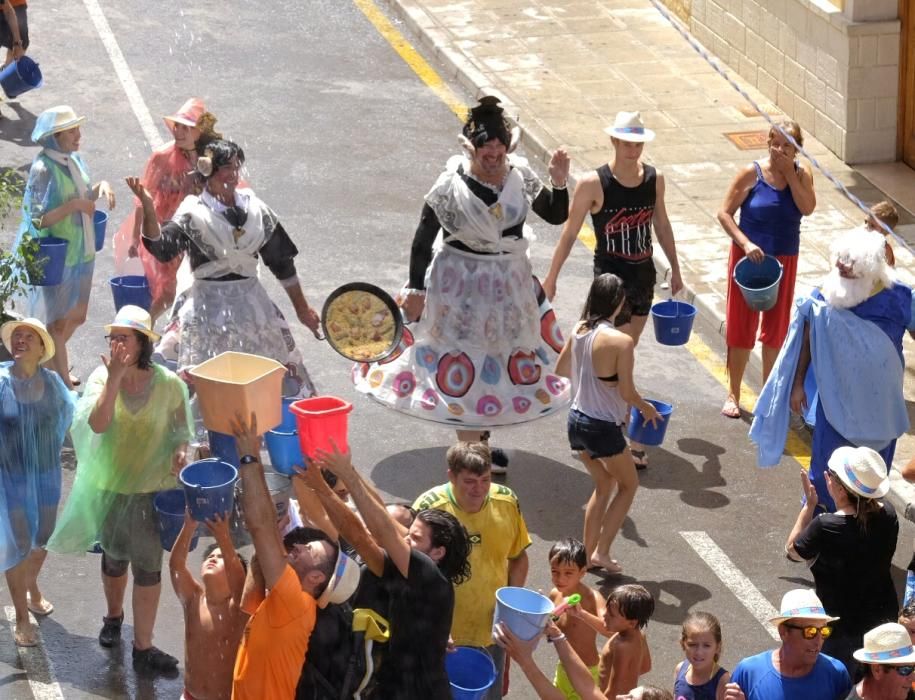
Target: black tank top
point(623, 225)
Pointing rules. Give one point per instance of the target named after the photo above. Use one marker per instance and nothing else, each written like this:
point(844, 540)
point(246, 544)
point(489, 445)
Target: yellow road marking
point(795, 446)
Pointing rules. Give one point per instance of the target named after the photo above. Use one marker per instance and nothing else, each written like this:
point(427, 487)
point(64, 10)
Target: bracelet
point(557, 187)
point(557, 638)
point(410, 292)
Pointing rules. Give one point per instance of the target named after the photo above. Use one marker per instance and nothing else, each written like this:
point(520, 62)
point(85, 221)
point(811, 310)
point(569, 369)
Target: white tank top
point(593, 396)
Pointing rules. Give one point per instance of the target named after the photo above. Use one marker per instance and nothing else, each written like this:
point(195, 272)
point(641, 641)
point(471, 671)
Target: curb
point(541, 145)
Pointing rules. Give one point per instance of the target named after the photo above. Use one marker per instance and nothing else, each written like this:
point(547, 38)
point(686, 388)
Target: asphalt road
point(343, 140)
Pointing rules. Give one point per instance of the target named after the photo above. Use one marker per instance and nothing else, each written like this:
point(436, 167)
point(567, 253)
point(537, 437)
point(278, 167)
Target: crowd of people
point(347, 596)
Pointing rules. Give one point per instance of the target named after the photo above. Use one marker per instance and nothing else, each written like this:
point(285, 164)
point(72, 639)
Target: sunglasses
point(811, 631)
point(903, 671)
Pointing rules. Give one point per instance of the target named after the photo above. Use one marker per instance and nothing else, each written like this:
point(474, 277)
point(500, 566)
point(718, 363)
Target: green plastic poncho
point(133, 456)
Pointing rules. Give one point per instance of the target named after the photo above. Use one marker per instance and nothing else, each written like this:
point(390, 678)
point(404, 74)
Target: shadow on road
point(19, 130)
point(685, 593)
point(668, 470)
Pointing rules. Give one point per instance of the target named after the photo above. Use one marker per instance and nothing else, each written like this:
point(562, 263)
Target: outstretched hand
point(560, 163)
point(517, 648)
point(137, 187)
point(219, 526)
point(336, 462)
point(810, 492)
point(246, 435)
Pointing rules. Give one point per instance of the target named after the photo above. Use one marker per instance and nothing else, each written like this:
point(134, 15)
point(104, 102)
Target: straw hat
point(628, 126)
point(6, 334)
point(862, 470)
point(887, 644)
point(55, 120)
point(135, 318)
point(343, 582)
point(801, 603)
point(188, 114)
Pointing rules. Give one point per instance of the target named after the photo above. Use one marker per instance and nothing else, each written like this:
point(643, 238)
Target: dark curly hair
point(222, 151)
point(448, 532)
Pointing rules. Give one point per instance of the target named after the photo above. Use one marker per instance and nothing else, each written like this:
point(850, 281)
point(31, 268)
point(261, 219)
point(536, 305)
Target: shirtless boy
point(213, 619)
point(582, 623)
point(625, 656)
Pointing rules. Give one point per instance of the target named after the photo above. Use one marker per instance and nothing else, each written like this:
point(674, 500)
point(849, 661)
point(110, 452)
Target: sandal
point(25, 638)
point(610, 566)
point(43, 608)
point(640, 458)
point(730, 409)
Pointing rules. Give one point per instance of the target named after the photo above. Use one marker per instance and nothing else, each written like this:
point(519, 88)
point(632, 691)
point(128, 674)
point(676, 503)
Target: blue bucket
point(100, 219)
point(759, 282)
point(209, 486)
point(646, 433)
point(20, 77)
point(673, 321)
point(170, 510)
point(471, 672)
point(285, 451)
point(523, 611)
point(130, 289)
point(52, 257)
point(288, 425)
point(224, 447)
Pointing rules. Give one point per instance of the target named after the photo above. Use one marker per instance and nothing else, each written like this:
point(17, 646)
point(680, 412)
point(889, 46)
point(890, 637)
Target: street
point(343, 139)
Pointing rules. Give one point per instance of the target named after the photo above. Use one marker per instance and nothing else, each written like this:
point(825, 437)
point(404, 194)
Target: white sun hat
point(6, 334)
point(862, 470)
point(55, 120)
point(887, 644)
point(135, 318)
point(801, 603)
point(628, 126)
point(343, 582)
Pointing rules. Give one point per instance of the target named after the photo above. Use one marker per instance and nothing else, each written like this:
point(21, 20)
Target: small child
point(625, 656)
point(583, 622)
point(885, 213)
point(700, 677)
point(213, 619)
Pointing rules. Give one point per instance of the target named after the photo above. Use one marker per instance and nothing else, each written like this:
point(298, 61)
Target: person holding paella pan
point(486, 338)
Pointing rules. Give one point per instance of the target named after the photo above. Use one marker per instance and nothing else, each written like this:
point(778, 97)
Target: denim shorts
point(599, 438)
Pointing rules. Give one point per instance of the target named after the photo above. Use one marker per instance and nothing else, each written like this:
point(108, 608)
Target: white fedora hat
point(887, 644)
point(628, 126)
point(801, 603)
point(862, 470)
point(6, 334)
point(54, 120)
point(136, 318)
point(343, 582)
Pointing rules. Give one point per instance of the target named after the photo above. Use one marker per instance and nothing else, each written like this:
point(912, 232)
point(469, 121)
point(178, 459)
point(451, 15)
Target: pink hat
point(188, 114)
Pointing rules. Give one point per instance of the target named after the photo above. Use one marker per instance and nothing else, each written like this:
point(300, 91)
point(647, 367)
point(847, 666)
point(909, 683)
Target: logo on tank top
point(628, 233)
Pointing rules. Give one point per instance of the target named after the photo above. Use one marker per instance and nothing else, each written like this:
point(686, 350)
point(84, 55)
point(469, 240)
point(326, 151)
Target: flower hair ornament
point(205, 163)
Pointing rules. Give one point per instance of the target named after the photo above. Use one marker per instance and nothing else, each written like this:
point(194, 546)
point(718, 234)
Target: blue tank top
point(770, 218)
point(706, 691)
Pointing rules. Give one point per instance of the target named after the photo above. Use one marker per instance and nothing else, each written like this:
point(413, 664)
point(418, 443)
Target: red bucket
point(321, 419)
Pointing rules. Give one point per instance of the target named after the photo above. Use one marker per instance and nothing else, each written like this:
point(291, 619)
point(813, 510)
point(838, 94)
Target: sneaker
point(153, 660)
point(111, 631)
point(499, 461)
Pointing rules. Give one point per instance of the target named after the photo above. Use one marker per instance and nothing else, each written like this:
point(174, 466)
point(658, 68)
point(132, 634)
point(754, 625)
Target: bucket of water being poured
point(209, 486)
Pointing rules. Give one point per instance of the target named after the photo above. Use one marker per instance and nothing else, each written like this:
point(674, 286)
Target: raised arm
point(151, 228)
point(183, 582)
point(255, 590)
point(235, 572)
point(103, 412)
point(804, 518)
point(311, 508)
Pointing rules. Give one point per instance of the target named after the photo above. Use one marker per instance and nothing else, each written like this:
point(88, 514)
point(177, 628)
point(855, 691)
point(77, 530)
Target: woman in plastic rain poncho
point(60, 201)
point(35, 412)
point(225, 231)
point(130, 431)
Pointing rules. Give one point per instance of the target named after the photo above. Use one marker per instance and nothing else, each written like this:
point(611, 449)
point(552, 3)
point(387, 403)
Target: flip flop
point(614, 569)
point(24, 639)
point(640, 458)
point(730, 409)
point(46, 607)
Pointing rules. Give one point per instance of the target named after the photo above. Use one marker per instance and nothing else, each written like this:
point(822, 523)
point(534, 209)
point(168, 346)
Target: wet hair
point(789, 126)
point(221, 152)
point(213, 546)
point(474, 457)
point(886, 213)
point(304, 535)
point(485, 122)
point(701, 622)
point(406, 507)
point(144, 359)
point(653, 692)
point(569, 551)
point(907, 612)
point(635, 602)
point(448, 532)
point(604, 297)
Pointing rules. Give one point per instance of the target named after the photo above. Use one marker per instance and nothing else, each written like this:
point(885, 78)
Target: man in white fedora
point(796, 669)
point(888, 661)
point(625, 198)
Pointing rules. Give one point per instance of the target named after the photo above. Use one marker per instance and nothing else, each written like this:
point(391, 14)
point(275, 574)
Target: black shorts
point(599, 438)
point(6, 36)
point(638, 281)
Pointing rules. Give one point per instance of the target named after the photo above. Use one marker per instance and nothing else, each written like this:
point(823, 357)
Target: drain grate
point(748, 140)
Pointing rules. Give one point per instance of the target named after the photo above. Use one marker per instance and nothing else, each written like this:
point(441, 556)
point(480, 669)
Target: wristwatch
point(248, 459)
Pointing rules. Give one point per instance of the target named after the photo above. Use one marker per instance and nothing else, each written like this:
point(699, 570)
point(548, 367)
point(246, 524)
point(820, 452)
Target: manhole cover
point(749, 140)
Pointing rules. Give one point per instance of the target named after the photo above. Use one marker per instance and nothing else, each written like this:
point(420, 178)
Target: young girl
point(700, 677)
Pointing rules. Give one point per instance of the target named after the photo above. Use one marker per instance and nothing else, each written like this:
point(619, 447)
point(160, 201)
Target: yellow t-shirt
point(275, 642)
point(498, 533)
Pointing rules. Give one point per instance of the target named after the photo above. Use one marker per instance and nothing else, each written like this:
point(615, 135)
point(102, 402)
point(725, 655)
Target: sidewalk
point(566, 68)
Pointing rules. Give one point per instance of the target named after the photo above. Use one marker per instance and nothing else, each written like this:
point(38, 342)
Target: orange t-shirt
point(275, 642)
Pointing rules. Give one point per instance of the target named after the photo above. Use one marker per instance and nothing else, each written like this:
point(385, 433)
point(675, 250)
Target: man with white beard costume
point(850, 333)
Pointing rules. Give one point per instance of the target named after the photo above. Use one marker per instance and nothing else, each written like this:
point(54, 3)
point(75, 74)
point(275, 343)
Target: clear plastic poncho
point(34, 416)
point(133, 456)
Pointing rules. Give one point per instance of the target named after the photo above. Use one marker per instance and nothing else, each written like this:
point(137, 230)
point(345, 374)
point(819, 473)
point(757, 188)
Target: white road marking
point(123, 72)
point(732, 577)
point(36, 663)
